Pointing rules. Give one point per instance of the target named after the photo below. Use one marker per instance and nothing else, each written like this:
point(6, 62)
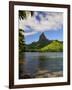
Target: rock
point(55, 74)
point(43, 37)
point(46, 74)
point(25, 76)
point(41, 72)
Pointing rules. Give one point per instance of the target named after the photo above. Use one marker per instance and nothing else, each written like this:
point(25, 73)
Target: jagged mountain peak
point(43, 37)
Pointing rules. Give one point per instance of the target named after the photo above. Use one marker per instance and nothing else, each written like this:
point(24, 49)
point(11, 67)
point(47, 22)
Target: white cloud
point(52, 21)
point(30, 33)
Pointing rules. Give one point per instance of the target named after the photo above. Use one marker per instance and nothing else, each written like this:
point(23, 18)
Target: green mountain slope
point(35, 46)
point(55, 46)
point(44, 45)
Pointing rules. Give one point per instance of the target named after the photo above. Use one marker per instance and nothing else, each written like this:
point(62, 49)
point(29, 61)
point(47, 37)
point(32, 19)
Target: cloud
point(42, 21)
point(30, 33)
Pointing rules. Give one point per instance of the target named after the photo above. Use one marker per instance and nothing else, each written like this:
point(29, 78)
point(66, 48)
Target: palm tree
point(21, 41)
point(22, 15)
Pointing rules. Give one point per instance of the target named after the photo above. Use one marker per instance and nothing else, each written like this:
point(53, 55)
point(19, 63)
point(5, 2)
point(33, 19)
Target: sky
point(51, 23)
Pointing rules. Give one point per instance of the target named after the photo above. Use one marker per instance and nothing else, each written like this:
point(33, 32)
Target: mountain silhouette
point(43, 38)
point(43, 41)
point(44, 44)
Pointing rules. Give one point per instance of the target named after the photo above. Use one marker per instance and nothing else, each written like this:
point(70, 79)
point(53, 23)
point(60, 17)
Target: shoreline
point(42, 74)
point(46, 74)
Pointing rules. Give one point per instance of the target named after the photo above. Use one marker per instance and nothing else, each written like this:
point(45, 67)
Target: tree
point(22, 15)
point(21, 41)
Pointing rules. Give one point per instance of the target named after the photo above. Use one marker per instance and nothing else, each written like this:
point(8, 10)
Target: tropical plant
point(21, 41)
point(22, 15)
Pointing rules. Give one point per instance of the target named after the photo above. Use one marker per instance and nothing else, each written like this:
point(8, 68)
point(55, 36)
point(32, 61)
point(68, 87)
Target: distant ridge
point(44, 44)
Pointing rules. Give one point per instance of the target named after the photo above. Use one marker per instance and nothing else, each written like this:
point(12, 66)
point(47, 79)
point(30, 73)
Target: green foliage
point(45, 45)
point(22, 14)
point(21, 41)
point(55, 46)
point(52, 46)
point(37, 45)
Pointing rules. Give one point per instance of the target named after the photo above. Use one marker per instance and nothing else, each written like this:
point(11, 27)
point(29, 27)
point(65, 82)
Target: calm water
point(34, 61)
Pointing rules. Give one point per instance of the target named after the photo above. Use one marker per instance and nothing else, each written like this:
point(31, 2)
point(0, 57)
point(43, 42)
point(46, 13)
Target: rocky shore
point(42, 74)
point(46, 74)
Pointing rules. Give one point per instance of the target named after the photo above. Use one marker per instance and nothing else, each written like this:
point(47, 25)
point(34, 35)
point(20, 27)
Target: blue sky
point(51, 23)
point(51, 35)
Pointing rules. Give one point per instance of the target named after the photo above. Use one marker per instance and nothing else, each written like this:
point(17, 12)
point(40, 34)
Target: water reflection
point(42, 62)
point(31, 63)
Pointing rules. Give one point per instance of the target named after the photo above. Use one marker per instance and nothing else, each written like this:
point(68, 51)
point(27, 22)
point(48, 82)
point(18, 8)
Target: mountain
point(35, 46)
point(55, 46)
point(43, 38)
point(44, 44)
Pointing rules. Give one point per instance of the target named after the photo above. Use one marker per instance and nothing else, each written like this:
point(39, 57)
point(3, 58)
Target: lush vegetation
point(45, 45)
point(21, 41)
point(55, 46)
point(22, 15)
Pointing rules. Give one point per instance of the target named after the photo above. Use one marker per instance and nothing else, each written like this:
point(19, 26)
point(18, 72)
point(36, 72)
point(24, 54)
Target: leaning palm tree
point(22, 15)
